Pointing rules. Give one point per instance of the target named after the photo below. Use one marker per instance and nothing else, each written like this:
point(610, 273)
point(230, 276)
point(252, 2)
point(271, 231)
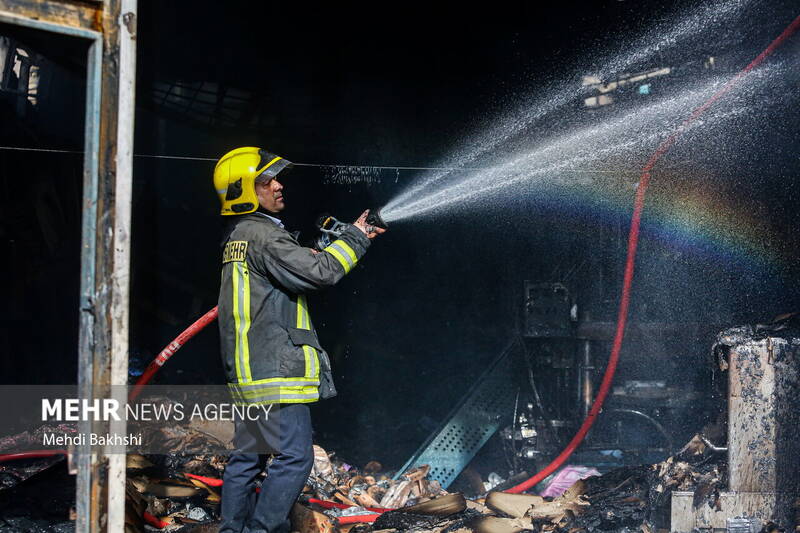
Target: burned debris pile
point(37, 494)
point(171, 492)
point(636, 497)
point(180, 492)
point(183, 493)
point(338, 481)
point(40, 500)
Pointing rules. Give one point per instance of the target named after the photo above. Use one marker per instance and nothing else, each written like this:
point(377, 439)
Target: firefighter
point(270, 350)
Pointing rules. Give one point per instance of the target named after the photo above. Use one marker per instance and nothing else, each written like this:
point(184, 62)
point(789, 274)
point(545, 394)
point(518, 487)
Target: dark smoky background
point(438, 297)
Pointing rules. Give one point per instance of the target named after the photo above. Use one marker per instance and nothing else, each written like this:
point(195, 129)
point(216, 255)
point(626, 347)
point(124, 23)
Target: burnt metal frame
point(109, 27)
point(477, 417)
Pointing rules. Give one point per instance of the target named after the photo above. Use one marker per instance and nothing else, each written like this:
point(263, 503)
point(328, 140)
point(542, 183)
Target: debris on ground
point(182, 492)
point(42, 503)
point(632, 497)
point(15, 472)
point(168, 495)
point(341, 482)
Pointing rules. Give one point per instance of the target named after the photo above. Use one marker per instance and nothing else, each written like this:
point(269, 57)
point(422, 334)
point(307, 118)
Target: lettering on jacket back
point(234, 251)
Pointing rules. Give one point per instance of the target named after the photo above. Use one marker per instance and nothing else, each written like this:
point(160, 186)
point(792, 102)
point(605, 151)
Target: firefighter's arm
point(300, 270)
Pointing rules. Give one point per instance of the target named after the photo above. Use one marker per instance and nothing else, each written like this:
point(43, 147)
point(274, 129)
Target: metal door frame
point(109, 27)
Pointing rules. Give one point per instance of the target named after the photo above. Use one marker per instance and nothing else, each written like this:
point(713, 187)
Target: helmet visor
point(270, 165)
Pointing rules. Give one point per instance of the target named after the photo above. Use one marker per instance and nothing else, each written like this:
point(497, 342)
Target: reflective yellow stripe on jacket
point(311, 355)
point(343, 253)
point(241, 319)
point(275, 390)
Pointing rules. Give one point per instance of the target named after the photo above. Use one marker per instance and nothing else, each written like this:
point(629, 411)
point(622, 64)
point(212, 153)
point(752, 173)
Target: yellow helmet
point(236, 173)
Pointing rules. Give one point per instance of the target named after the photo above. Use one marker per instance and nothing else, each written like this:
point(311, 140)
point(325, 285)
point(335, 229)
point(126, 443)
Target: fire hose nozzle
point(374, 219)
point(330, 229)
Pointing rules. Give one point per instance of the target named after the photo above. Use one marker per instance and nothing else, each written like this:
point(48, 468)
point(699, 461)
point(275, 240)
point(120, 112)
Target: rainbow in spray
point(685, 213)
point(574, 169)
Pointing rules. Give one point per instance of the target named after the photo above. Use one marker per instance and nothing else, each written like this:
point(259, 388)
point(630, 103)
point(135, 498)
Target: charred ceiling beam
point(82, 15)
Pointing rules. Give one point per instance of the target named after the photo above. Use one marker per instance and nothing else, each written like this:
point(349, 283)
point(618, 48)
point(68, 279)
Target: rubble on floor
point(172, 492)
point(628, 498)
point(36, 494)
point(343, 483)
point(182, 493)
point(15, 472)
point(42, 503)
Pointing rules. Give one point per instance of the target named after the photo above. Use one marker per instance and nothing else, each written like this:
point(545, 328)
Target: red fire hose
point(154, 521)
point(357, 519)
point(35, 454)
point(210, 481)
point(633, 240)
point(156, 364)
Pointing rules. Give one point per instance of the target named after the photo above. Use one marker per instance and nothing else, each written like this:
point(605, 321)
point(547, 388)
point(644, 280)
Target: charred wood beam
point(86, 15)
point(95, 351)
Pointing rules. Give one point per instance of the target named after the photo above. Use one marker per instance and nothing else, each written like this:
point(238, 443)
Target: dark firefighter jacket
point(270, 349)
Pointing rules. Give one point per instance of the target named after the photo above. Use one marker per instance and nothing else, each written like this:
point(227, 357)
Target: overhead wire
point(313, 165)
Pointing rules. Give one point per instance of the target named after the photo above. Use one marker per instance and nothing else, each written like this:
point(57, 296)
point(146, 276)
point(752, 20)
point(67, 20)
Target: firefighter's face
point(270, 195)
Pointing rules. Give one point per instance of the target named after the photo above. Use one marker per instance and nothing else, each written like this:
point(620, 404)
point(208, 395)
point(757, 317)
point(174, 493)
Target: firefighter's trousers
point(243, 510)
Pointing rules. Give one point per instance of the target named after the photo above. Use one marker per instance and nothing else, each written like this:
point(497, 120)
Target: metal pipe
point(514, 433)
point(586, 384)
point(537, 399)
point(120, 280)
point(546, 419)
point(710, 445)
point(652, 420)
point(86, 342)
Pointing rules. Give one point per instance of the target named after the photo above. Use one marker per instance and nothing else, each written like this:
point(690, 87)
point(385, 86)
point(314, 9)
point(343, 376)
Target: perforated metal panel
point(476, 418)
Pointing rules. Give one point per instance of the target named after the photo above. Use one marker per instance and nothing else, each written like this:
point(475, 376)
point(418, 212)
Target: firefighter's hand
point(370, 231)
